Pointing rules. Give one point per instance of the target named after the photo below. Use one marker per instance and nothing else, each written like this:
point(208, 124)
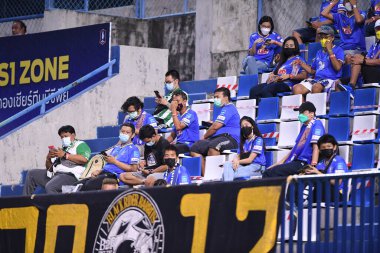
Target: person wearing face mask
point(162, 113)
point(305, 150)
point(186, 128)
point(124, 156)
point(250, 160)
point(326, 66)
point(176, 174)
point(135, 114)
point(64, 165)
point(224, 133)
point(152, 167)
point(285, 75)
point(263, 46)
point(373, 14)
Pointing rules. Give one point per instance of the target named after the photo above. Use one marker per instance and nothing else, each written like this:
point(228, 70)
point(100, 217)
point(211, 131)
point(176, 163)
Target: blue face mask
point(123, 137)
point(169, 86)
point(133, 115)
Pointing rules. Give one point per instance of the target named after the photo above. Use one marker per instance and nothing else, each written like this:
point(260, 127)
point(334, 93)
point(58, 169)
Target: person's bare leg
point(355, 71)
point(193, 154)
point(317, 88)
point(300, 89)
point(149, 182)
point(213, 152)
point(298, 37)
point(130, 179)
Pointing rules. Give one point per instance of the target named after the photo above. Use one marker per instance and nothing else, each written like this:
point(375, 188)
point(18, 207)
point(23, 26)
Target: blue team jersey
point(255, 145)
point(178, 176)
point(323, 66)
point(323, 6)
point(338, 165)
point(190, 133)
point(287, 69)
point(375, 5)
point(265, 53)
point(129, 154)
point(230, 118)
point(352, 35)
point(374, 51)
point(144, 119)
point(309, 134)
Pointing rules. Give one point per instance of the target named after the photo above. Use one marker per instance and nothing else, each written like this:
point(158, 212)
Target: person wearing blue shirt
point(350, 26)
point(224, 133)
point(250, 160)
point(326, 66)
point(124, 156)
point(373, 14)
point(185, 123)
point(263, 46)
point(176, 174)
point(305, 150)
point(285, 75)
point(135, 114)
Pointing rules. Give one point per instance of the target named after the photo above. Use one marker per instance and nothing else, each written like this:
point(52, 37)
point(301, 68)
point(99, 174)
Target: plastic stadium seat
point(363, 157)
point(203, 111)
point(214, 168)
point(245, 84)
point(344, 152)
point(320, 102)
point(193, 165)
point(288, 133)
point(120, 117)
point(363, 129)
point(278, 155)
point(340, 104)
point(246, 108)
point(366, 97)
point(107, 131)
point(340, 128)
point(230, 82)
point(266, 130)
point(268, 110)
point(287, 110)
point(196, 96)
point(100, 144)
point(264, 77)
point(312, 51)
point(149, 103)
point(346, 70)
point(199, 86)
point(269, 156)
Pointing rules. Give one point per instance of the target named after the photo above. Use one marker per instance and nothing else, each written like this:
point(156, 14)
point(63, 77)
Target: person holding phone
point(64, 165)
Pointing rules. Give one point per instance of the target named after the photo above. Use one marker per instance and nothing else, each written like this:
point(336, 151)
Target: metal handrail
point(57, 93)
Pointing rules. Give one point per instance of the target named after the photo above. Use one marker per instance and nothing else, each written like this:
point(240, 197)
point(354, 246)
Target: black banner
point(213, 217)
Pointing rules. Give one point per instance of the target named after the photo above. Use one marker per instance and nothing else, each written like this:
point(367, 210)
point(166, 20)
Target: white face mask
point(133, 115)
point(265, 31)
point(66, 141)
point(151, 143)
point(348, 6)
point(123, 137)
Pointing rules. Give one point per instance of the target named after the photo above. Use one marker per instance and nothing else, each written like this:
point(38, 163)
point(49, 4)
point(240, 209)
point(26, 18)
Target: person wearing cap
point(373, 14)
point(326, 66)
point(305, 151)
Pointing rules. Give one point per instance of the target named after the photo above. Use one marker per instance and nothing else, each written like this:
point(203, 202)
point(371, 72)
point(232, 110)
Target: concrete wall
point(33, 26)
point(141, 72)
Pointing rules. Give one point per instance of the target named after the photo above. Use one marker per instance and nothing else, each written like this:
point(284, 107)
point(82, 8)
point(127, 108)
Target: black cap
point(306, 106)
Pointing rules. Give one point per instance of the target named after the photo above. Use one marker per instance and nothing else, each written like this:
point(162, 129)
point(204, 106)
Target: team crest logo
point(102, 37)
point(347, 30)
point(132, 223)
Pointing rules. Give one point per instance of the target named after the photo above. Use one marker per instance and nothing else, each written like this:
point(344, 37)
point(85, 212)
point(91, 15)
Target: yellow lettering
point(260, 199)
point(50, 69)
point(37, 63)
point(25, 65)
point(21, 218)
point(57, 216)
point(198, 206)
point(12, 65)
point(63, 63)
point(4, 77)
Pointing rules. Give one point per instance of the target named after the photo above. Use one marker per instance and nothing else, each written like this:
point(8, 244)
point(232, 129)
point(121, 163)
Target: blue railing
point(43, 102)
point(321, 217)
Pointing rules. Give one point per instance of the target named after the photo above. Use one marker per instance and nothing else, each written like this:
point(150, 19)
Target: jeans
point(268, 90)
point(253, 169)
point(252, 67)
point(285, 169)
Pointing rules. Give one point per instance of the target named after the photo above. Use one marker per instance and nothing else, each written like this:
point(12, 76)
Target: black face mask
point(179, 107)
point(327, 153)
point(289, 52)
point(170, 162)
point(246, 131)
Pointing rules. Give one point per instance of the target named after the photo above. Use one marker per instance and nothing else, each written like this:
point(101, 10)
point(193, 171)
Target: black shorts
point(182, 148)
point(307, 34)
point(220, 143)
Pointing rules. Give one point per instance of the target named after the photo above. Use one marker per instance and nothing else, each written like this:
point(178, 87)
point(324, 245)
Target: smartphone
point(52, 148)
point(103, 153)
point(267, 41)
point(157, 94)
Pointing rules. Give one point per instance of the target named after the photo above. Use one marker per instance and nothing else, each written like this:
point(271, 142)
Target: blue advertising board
point(36, 65)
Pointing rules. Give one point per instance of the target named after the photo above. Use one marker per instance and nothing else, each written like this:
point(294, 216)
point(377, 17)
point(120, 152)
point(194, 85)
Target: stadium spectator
point(152, 167)
point(285, 75)
point(162, 113)
point(136, 115)
point(185, 123)
point(368, 66)
point(110, 184)
point(305, 150)
point(350, 26)
point(373, 15)
point(308, 34)
point(326, 66)
point(63, 165)
point(264, 45)
point(124, 156)
point(18, 28)
point(250, 159)
point(175, 174)
point(224, 133)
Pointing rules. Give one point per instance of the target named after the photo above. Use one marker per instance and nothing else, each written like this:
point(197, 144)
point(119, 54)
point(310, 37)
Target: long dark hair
point(265, 19)
point(256, 131)
point(283, 58)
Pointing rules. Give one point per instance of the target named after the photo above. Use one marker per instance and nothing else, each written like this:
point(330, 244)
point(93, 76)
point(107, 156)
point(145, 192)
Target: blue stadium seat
point(120, 118)
point(193, 165)
point(363, 157)
point(346, 70)
point(11, 190)
point(303, 51)
point(268, 128)
point(196, 96)
point(365, 97)
point(269, 158)
point(101, 144)
point(268, 110)
point(340, 104)
point(312, 51)
point(340, 129)
point(107, 131)
point(245, 84)
point(199, 86)
point(149, 103)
